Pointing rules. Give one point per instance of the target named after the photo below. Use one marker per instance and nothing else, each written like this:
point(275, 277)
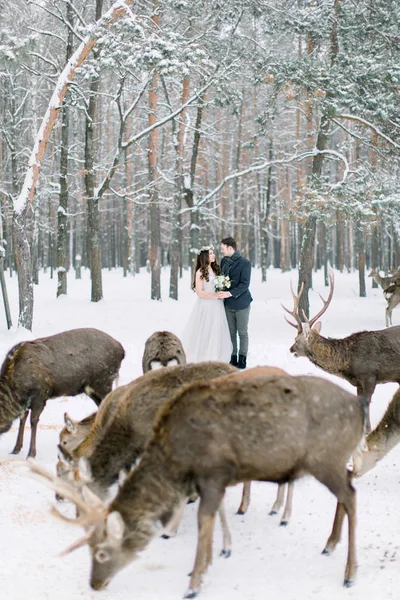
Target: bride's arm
point(199, 289)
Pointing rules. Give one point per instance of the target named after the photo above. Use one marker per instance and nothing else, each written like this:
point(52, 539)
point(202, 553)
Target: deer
point(162, 349)
point(280, 498)
point(75, 433)
point(392, 297)
point(68, 363)
point(211, 435)
point(385, 282)
point(391, 292)
point(364, 358)
point(123, 425)
point(382, 439)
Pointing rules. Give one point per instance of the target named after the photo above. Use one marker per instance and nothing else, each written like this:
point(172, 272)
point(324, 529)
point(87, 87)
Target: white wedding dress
point(206, 335)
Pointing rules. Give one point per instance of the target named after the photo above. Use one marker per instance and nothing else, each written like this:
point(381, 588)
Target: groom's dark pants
point(238, 321)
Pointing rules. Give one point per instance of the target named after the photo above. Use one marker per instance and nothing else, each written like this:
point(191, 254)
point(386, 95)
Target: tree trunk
point(62, 240)
point(24, 268)
point(176, 226)
point(361, 259)
point(155, 228)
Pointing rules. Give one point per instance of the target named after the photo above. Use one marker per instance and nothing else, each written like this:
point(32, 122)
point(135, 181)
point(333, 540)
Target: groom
point(237, 299)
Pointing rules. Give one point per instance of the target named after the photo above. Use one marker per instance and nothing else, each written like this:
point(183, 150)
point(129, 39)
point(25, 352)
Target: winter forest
point(134, 132)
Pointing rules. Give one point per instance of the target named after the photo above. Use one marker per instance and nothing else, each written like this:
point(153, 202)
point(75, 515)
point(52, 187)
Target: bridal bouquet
point(222, 283)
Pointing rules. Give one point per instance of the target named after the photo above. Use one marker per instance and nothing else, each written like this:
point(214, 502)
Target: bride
point(206, 335)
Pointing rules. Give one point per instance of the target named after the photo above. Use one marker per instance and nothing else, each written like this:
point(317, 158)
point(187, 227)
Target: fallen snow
point(268, 561)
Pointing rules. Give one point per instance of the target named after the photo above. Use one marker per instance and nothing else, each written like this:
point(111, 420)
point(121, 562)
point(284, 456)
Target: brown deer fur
point(162, 349)
point(68, 363)
point(384, 282)
point(245, 501)
point(124, 424)
point(211, 435)
point(364, 359)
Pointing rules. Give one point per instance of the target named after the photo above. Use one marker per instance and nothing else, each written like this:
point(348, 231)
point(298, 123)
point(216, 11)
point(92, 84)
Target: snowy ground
point(268, 561)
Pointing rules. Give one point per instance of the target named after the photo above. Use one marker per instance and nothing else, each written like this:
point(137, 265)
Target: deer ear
point(317, 327)
point(69, 424)
point(115, 526)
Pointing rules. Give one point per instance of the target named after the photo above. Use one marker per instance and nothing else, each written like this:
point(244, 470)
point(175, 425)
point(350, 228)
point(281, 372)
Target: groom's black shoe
point(242, 361)
point(234, 360)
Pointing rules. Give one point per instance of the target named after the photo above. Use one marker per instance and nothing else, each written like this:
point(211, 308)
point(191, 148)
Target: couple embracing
point(221, 312)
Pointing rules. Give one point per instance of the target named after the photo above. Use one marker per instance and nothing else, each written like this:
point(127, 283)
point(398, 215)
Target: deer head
point(111, 546)
point(310, 328)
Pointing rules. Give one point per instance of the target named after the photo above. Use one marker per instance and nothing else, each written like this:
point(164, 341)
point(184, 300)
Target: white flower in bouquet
point(222, 283)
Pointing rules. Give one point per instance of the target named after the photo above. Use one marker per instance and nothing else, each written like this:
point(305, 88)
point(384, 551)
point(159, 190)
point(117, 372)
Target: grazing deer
point(68, 363)
point(392, 297)
point(382, 439)
point(245, 501)
point(385, 282)
point(123, 424)
point(162, 349)
point(364, 359)
point(213, 435)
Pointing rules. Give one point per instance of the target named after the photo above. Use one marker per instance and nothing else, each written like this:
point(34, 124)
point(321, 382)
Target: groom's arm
point(244, 281)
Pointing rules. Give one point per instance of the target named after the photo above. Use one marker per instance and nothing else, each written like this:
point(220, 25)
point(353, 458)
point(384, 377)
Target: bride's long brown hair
point(202, 264)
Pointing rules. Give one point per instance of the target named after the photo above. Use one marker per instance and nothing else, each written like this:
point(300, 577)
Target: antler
point(295, 311)
point(326, 302)
point(91, 509)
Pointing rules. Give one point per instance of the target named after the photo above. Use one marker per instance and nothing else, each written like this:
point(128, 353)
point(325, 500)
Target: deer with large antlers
point(123, 424)
point(99, 440)
point(364, 359)
point(212, 435)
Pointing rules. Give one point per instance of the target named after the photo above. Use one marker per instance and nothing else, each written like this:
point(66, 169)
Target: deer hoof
point(190, 594)
point(326, 552)
point(348, 583)
point(240, 512)
point(272, 513)
point(283, 523)
point(225, 553)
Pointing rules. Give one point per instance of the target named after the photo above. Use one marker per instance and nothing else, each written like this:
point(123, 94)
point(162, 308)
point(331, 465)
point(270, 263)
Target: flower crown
point(205, 249)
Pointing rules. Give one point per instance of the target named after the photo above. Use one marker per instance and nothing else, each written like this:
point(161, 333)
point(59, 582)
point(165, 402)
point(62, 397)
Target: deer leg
point(388, 316)
point(171, 527)
point(89, 391)
point(346, 504)
point(334, 537)
point(366, 389)
point(226, 534)
point(351, 564)
point(36, 411)
point(210, 500)
point(20, 437)
point(279, 500)
point(288, 506)
point(244, 504)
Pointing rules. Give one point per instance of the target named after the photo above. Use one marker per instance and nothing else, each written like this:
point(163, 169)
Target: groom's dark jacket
point(239, 270)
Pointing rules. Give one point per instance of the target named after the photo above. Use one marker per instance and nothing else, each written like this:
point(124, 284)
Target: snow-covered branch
point(264, 165)
point(371, 126)
point(118, 9)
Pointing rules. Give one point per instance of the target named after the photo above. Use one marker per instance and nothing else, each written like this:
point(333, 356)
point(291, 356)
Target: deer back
point(162, 349)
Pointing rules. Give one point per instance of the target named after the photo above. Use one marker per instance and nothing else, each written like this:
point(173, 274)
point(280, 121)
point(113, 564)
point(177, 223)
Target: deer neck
point(328, 354)
point(387, 433)
point(10, 404)
point(148, 496)
point(378, 278)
